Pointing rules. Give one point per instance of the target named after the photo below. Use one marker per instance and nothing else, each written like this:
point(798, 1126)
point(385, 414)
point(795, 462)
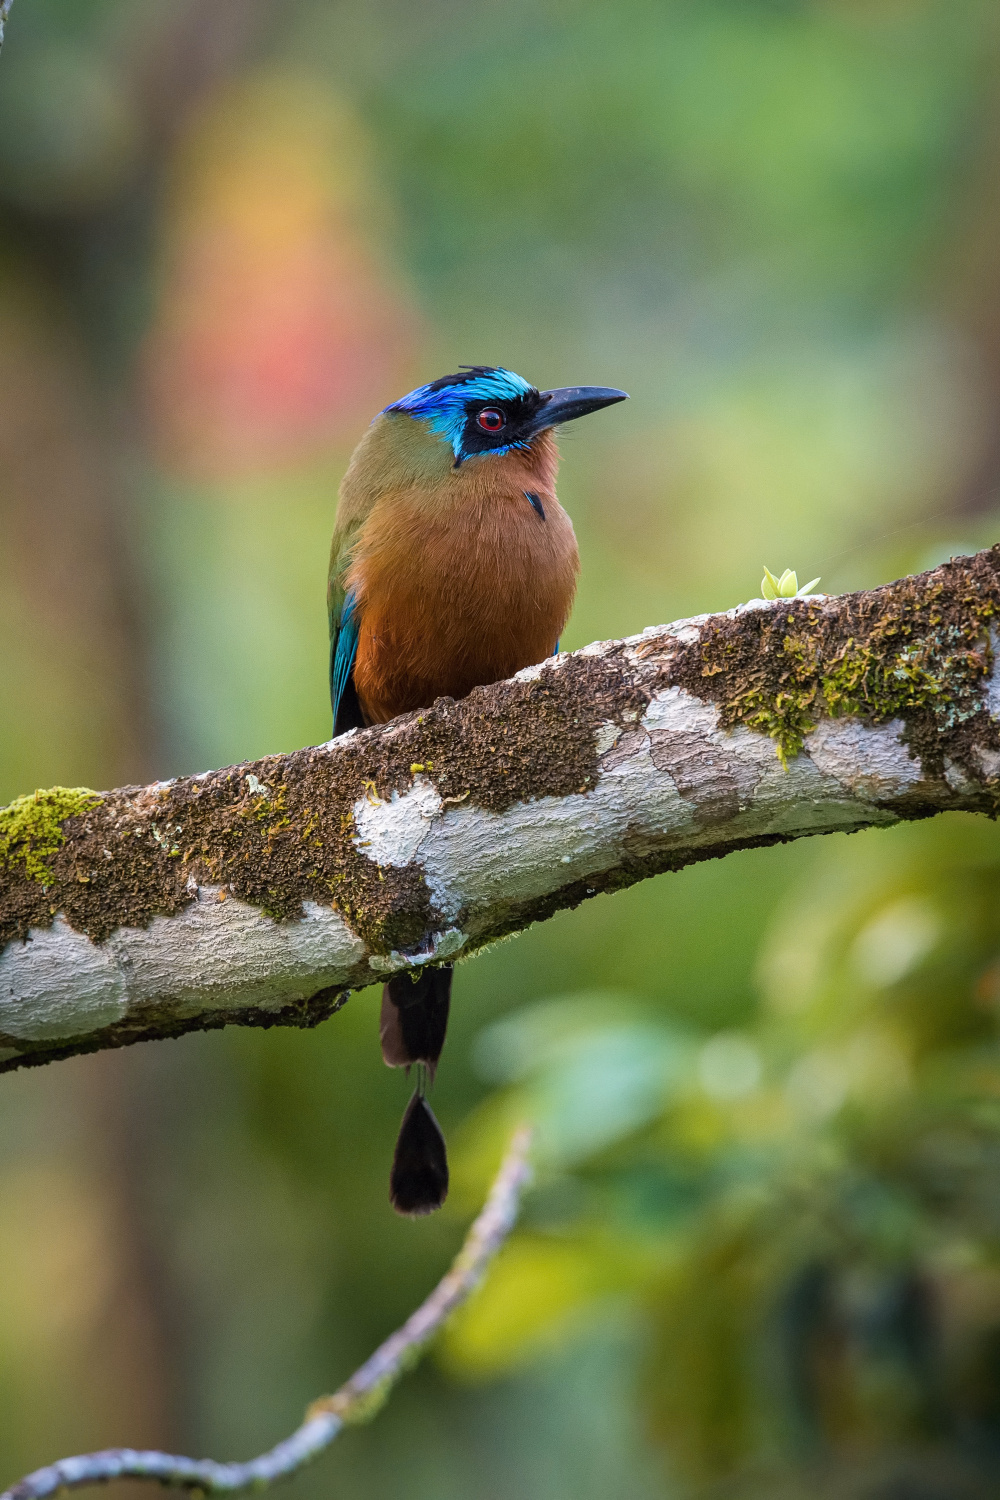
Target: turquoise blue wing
point(343, 650)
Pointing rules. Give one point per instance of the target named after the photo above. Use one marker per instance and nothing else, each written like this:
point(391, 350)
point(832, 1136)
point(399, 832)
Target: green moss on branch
point(31, 829)
point(917, 650)
point(280, 831)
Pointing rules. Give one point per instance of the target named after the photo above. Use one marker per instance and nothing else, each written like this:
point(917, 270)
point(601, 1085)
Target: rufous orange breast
point(465, 592)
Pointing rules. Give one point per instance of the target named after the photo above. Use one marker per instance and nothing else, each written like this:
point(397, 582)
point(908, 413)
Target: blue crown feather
point(443, 403)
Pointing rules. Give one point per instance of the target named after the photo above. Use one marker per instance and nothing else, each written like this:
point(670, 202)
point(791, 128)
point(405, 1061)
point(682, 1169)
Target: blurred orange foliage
point(279, 328)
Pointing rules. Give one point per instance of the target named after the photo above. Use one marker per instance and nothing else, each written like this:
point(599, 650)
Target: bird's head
point(483, 411)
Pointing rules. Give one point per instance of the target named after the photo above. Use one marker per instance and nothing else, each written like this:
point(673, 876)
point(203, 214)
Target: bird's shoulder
point(395, 453)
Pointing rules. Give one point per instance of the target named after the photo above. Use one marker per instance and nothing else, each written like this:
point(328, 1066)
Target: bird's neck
point(488, 476)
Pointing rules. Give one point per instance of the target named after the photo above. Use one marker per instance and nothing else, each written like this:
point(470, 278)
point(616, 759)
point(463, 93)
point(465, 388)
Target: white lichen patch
point(751, 606)
point(480, 859)
point(686, 631)
point(956, 777)
point(223, 954)
point(607, 736)
point(726, 766)
point(39, 1000)
point(217, 954)
point(530, 674)
point(683, 727)
point(391, 832)
point(988, 761)
point(867, 762)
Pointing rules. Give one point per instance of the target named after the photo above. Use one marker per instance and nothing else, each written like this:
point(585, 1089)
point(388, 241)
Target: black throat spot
point(536, 502)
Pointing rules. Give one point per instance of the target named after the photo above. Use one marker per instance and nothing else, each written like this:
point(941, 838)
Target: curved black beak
point(573, 401)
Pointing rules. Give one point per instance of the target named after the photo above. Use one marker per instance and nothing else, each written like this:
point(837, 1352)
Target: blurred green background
point(763, 1257)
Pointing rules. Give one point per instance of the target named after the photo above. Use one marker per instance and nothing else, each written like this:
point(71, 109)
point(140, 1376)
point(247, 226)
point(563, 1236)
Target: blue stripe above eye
point(442, 404)
point(346, 651)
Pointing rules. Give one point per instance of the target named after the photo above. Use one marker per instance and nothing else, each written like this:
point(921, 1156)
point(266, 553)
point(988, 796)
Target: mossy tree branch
point(263, 893)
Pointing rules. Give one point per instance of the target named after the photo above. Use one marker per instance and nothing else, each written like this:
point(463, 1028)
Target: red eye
point(491, 420)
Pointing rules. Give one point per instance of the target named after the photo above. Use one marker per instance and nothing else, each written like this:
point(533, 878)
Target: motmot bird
point(453, 565)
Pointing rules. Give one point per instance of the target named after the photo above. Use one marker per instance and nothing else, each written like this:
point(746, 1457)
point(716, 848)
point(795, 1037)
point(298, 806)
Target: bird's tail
point(415, 1018)
point(418, 1182)
point(413, 1026)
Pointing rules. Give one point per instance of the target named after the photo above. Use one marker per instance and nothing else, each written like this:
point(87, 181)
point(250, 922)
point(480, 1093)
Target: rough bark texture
point(262, 894)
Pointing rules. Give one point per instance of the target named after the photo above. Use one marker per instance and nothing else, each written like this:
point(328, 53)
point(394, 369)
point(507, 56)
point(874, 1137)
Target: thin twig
point(356, 1401)
point(5, 6)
